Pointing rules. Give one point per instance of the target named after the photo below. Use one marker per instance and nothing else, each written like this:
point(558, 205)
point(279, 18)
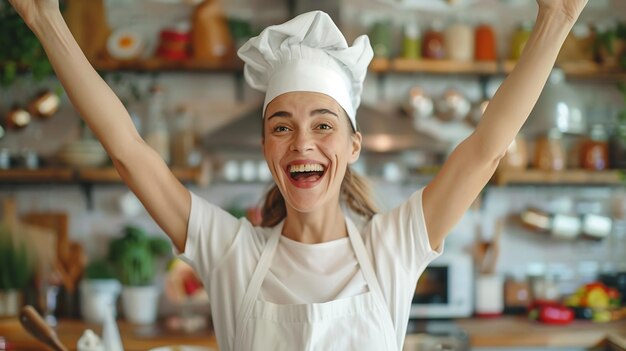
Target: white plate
point(183, 348)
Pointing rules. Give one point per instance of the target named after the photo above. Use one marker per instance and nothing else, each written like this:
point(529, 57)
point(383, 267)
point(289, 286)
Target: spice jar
point(485, 43)
point(617, 147)
point(459, 42)
point(549, 152)
point(433, 42)
point(174, 43)
point(381, 38)
point(595, 150)
point(411, 44)
point(519, 39)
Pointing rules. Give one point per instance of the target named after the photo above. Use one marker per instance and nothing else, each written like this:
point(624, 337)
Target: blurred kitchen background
point(550, 223)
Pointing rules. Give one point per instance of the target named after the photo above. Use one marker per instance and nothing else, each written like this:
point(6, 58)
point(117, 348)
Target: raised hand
point(32, 10)
point(571, 8)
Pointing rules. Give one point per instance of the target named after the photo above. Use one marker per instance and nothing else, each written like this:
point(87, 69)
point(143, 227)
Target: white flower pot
point(140, 304)
point(10, 303)
point(96, 296)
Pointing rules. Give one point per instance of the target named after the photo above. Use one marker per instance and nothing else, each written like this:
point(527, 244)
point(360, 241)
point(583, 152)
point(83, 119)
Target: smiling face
point(308, 143)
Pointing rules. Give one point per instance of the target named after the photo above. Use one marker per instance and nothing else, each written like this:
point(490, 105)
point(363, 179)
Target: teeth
point(306, 168)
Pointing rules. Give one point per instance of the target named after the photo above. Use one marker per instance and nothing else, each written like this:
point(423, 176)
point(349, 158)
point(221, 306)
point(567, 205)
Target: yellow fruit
point(597, 298)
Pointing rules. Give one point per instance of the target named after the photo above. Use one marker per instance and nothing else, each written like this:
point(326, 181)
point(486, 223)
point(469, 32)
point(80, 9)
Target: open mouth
point(306, 173)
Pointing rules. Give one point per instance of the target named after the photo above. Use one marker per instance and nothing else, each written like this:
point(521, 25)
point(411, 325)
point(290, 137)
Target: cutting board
point(87, 22)
point(70, 259)
point(40, 241)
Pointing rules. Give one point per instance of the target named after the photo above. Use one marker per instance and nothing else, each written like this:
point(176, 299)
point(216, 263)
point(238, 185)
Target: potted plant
point(99, 290)
point(21, 50)
point(16, 271)
point(134, 257)
point(611, 46)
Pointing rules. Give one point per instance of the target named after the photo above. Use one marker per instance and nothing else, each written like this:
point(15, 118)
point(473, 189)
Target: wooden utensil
point(37, 327)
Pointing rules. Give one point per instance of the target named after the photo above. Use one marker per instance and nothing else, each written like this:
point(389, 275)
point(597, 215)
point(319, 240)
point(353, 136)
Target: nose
point(302, 141)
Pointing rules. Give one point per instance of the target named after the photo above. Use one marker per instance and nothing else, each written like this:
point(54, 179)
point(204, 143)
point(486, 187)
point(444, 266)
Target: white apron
point(362, 322)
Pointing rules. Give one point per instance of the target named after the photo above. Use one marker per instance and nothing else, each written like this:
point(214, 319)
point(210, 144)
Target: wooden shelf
point(109, 175)
point(568, 177)
point(575, 70)
point(197, 175)
point(444, 66)
point(156, 64)
point(24, 175)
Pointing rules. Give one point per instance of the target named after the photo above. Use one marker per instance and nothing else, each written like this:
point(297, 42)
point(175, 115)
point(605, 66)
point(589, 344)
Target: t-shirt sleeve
point(211, 232)
point(403, 233)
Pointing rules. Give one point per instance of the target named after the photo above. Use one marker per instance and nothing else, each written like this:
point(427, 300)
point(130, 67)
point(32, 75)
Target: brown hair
point(356, 193)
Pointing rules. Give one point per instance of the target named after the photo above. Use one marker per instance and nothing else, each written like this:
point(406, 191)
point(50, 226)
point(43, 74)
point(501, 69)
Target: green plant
point(100, 269)
point(16, 269)
point(19, 48)
point(134, 256)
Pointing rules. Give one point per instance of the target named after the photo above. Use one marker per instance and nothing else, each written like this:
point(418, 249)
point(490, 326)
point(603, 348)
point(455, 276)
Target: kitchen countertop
point(133, 337)
point(496, 332)
point(521, 332)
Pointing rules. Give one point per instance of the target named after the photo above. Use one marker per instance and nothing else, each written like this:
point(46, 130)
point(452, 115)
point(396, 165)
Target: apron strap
point(363, 259)
point(372, 282)
point(255, 283)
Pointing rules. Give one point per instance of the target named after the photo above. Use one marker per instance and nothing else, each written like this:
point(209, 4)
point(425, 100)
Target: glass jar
point(156, 132)
point(519, 39)
point(594, 151)
point(485, 43)
point(433, 42)
point(459, 42)
point(549, 152)
point(411, 43)
point(381, 39)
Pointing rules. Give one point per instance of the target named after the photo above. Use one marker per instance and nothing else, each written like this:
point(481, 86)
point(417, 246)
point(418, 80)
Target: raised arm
point(141, 168)
point(473, 162)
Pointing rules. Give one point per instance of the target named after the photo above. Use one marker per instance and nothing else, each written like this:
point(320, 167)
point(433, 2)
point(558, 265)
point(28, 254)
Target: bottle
point(459, 42)
point(411, 44)
point(380, 35)
point(485, 43)
point(211, 39)
point(519, 39)
point(549, 152)
point(595, 150)
point(156, 131)
point(433, 42)
point(183, 138)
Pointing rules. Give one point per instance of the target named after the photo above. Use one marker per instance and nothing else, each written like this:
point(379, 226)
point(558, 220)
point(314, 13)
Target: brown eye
point(280, 129)
point(324, 126)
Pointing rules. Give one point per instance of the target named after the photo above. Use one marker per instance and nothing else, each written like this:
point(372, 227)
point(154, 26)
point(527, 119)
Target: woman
point(308, 279)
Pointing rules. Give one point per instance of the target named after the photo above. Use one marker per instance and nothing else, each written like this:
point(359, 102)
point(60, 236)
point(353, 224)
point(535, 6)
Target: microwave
point(445, 288)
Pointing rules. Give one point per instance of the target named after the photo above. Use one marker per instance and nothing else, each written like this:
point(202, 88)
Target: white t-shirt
point(225, 250)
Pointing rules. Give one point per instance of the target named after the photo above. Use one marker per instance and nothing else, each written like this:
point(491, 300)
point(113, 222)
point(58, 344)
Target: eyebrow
point(319, 111)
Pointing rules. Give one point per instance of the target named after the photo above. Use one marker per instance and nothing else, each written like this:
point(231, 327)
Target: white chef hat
point(308, 53)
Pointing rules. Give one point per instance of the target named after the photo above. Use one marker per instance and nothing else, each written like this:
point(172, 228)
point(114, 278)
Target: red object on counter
point(550, 312)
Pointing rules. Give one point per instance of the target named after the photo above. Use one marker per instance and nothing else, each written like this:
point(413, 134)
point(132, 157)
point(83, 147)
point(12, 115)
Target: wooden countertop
point(521, 332)
point(133, 337)
point(497, 332)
